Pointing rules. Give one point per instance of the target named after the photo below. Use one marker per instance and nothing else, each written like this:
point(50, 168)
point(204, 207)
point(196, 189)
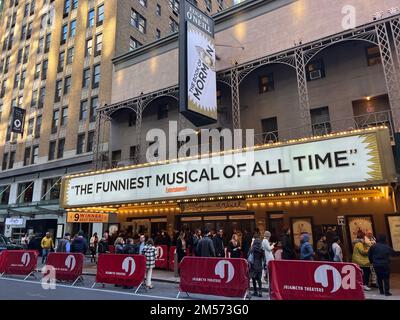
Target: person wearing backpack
point(256, 260)
point(64, 245)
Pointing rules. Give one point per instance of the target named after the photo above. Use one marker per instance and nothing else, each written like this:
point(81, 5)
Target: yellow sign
point(76, 217)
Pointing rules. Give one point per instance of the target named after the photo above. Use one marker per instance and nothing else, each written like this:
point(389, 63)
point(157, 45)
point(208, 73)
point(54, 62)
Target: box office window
point(51, 189)
point(25, 192)
point(373, 56)
point(4, 194)
point(266, 83)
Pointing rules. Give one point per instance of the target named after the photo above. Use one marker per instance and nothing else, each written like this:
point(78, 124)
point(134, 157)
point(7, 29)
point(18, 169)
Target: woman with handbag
point(256, 260)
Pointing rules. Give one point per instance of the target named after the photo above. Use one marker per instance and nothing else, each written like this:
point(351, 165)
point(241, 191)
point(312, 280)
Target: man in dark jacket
point(218, 242)
point(205, 247)
point(79, 244)
point(287, 246)
point(64, 245)
point(129, 248)
point(247, 239)
point(102, 246)
point(379, 255)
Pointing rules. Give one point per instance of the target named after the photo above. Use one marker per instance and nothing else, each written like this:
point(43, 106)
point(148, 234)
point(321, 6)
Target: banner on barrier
point(316, 281)
point(68, 266)
point(1, 262)
point(122, 269)
point(214, 276)
point(21, 262)
point(162, 257)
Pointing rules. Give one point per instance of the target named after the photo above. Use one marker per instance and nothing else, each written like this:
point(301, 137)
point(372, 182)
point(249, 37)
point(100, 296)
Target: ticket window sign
point(76, 217)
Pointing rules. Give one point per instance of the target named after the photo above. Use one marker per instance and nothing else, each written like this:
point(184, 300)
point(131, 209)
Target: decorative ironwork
point(138, 126)
point(390, 72)
point(395, 26)
point(235, 98)
point(101, 119)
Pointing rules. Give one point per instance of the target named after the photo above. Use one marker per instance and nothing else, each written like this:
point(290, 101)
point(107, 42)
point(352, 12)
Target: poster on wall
point(197, 59)
point(359, 223)
point(300, 226)
point(393, 223)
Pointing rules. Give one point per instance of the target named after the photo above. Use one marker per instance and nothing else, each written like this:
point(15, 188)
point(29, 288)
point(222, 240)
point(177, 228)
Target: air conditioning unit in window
point(316, 74)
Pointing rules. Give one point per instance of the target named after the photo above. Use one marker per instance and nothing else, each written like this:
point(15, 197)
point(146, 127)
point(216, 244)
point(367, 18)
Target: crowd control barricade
point(315, 280)
point(162, 257)
point(214, 276)
point(111, 249)
point(171, 257)
point(121, 269)
point(19, 262)
point(1, 263)
point(68, 266)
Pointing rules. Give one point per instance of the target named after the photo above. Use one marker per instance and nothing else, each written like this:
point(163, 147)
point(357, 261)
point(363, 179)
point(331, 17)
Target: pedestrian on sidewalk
point(370, 241)
point(219, 244)
point(25, 241)
point(129, 248)
point(323, 249)
point(102, 246)
point(234, 250)
point(181, 245)
point(205, 247)
point(47, 244)
point(379, 255)
point(140, 246)
point(246, 244)
point(94, 240)
point(149, 252)
point(119, 245)
point(306, 249)
point(287, 246)
point(256, 259)
point(196, 238)
point(79, 244)
point(337, 250)
point(360, 257)
point(64, 245)
point(268, 251)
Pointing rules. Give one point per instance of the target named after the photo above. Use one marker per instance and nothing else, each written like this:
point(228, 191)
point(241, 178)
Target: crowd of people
point(372, 255)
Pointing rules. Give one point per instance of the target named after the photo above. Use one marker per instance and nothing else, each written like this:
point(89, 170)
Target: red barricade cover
point(214, 276)
point(21, 262)
point(111, 249)
point(162, 257)
point(1, 262)
point(315, 280)
point(69, 266)
point(171, 259)
point(122, 269)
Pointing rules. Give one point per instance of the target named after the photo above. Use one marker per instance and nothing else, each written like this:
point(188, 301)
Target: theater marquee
point(360, 159)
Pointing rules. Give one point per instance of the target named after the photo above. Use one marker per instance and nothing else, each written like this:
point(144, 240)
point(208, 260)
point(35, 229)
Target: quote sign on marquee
point(197, 59)
point(75, 217)
point(353, 159)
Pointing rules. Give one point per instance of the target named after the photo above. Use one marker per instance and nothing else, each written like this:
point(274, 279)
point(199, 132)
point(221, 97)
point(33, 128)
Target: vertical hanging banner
point(17, 125)
point(197, 59)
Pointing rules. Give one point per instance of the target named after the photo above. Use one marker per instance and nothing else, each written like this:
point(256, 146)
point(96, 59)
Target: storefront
point(337, 183)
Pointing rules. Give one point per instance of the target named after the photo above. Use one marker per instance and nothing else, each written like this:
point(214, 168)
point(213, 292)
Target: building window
point(86, 78)
point(30, 126)
point(4, 164)
point(208, 5)
point(158, 10)
point(64, 116)
point(4, 194)
point(99, 44)
point(26, 54)
point(67, 7)
point(74, 4)
point(138, 21)
point(35, 155)
point(23, 32)
point(61, 58)
point(34, 98)
point(38, 126)
point(12, 160)
point(64, 34)
point(373, 55)
point(93, 108)
point(83, 110)
point(22, 82)
point(37, 71)
point(80, 145)
point(67, 85)
point(60, 149)
point(158, 34)
point(45, 66)
point(54, 123)
point(29, 31)
point(57, 97)
point(266, 83)
point(32, 7)
point(143, 3)
point(26, 10)
point(91, 18)
point(72, 29)
point(52, 150)
point(89, 47)
point(315, 70)
point(70, 55)
point(40, 45)
point(174, 5)
point(100, 15)
point(27, 156)
point(162, 111)
point(25, 192)
point(90, 141)
point(133, 44)
point(42, 96)
point(16, 80)
point(96, 76)
point(19, 56)
point(51, 189)
point(47, 44)
point(269, 127)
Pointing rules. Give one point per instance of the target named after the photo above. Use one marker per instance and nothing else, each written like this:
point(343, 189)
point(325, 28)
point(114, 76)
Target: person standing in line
point(360, 257)
point(94, 240)
point(323, 249)
point(119, 245)
point(140, 246)
point(287, 246)
point(246, 244)
point(25, 241)
point(47, 244)
point(79, 244)
point(196, 239)
point(370, 241)
point(205, 247)
point(129, 248)
point(256, 259)
point(234, 250)
point(268, 251)
point(64, 245)
point(337, 250)
point(219, 244)
point(181, 245)
point(306, 249)
point(102, 246)
point(149, 252)
point(379, 255)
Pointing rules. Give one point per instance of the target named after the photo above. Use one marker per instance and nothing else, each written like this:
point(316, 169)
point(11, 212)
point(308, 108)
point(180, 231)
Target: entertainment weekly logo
point(224, 272)
point(329, 278)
